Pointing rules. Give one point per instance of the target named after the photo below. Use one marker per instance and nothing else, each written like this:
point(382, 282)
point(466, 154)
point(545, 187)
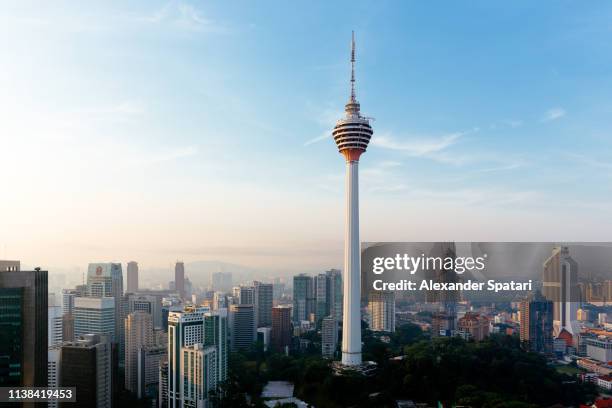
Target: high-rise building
point(54, 370)
point(560, 285)
point(474, 326)
point(221, 281)
point(149, 360)
point(179, 278)
point(536, 323)
point(94, 316)
point(303, 297)
point(163, 384)
point(68, 327)
point(138, 335)
point(185, 328)
point(106, 280)
point(280, 337)
point(263, 303)
point(247, 295)
point(216, 334)
point(151, 304)
point(334, 293)
point(132, 277)
point(352, 135)
point(68, 296)
point(23, 325)
point(54, 329)
point(321, 296)
point(242, 326)
point(381, 308)
point(199, 374)
point(329, 337)
point(87, 364)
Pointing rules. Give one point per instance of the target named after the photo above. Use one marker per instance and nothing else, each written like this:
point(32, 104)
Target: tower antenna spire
point(353, 97)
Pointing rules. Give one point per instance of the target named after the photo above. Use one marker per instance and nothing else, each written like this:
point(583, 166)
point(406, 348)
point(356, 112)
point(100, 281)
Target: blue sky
point(197, 130)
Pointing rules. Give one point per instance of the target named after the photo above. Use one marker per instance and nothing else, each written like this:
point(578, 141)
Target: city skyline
point(150, 124)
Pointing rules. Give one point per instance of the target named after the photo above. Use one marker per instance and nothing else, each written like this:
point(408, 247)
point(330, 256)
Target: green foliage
point(494, 373)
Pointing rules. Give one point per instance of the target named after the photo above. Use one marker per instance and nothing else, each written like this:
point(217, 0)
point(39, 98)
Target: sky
point(163, 130)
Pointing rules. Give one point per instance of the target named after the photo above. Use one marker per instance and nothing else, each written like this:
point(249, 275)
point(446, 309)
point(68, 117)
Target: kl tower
point(352, 134)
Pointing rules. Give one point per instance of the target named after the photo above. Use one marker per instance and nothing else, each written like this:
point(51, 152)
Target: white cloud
point(553, 114)
point(417, 147)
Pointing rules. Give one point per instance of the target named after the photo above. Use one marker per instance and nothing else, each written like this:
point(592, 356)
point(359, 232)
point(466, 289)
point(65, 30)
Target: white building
point(329, 337)
point(94, 316)
point(199, 374)
point(54, 369)
point(54, 330)
point(381, 308)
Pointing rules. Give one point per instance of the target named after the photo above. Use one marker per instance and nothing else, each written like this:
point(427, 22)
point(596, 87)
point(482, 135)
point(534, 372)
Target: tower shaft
point(351, 326)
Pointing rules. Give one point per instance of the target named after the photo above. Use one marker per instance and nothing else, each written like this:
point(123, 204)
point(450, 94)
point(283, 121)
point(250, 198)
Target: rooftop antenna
point(353, 98)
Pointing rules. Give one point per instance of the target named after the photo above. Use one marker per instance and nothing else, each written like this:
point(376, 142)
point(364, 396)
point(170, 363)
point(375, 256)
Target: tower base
point(366, 368)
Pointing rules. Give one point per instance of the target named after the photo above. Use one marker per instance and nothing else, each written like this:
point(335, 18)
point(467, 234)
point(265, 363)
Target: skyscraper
point(54, 329)
point(303, 297)
point(246, 295)
point(263, 303)
point(381, 308)
point(536, 323)
point(179, 278)
point(95, 316)
point(321, 297)
point(23, 325)
point(352, 135)
point(54, 369)
point(216, 334)
point(185, 328)
point(68, 296)
point(280, 337)
point(199, 374)
point(87, 364)
point(149, 360)
point(242, 326)
point(105, 280)
point(560, 285)
point(132, 277)
point(334, 293)
point(138, 335)
point(329, 337)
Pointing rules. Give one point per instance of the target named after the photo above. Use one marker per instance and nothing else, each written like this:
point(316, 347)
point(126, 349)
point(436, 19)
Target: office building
point(148, 303)
point(149, 360)
point(242, 326)
point(132, 277)
point(321, 297)
point(179, 279)
point(185, 328)
point(381, 308)
point(352, 134)
point(263, 303)
point(329, 337)
point(199, 374)
point(68, 327)
point(54, 369)
point(599, 348)
point(138, 335)
point(106, 280)
point(94, 316)
point(474, 326)
point(68, 296)
point(303, 297)
point(87, 364)
point(246, 295)
point(282, 329)
point(23, 325)
point(163, 384)
point(54, 327)
point(560, 285)
point(216, 334)
point(334, 293)
point(536, 323)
